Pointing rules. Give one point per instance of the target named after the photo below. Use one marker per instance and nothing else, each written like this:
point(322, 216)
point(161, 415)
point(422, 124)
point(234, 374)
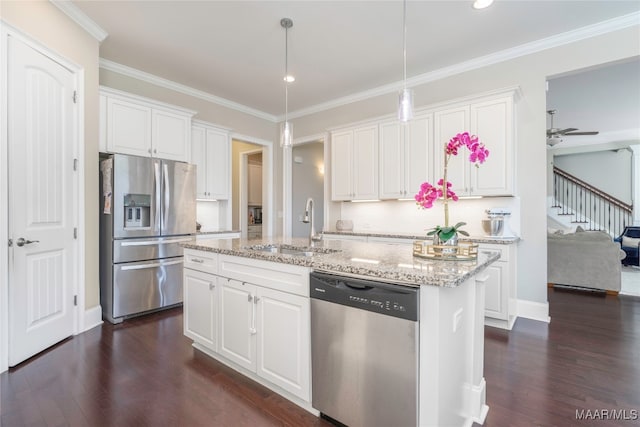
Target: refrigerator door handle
point(156, 242)
point(150, 265)
point(166, 203)
point(157, 190)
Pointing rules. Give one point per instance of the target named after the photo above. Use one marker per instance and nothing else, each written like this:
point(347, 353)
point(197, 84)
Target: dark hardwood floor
point(145, 373)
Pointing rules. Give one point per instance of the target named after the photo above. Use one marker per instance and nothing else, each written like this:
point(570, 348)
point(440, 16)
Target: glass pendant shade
point(286, 134)
point(405, 105)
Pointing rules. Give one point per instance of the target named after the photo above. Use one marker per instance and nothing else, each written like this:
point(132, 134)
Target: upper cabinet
point(406, 152)
point(491, 119)
point(409, 154)
point(354, 163)
point(142, 127)
point(211, 153)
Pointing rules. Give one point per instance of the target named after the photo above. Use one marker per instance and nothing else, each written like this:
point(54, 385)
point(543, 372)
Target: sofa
point(587, 259)
point(629, 242)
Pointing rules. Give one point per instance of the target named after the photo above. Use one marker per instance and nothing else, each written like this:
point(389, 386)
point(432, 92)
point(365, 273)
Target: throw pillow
point(630, 242)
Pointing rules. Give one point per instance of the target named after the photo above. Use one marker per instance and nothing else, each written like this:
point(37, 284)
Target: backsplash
point(207, 214)
point(395, 216)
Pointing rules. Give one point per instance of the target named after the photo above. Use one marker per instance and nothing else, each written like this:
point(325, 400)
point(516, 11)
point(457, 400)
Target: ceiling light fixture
point(481, 4)
point(286, 130)
point(405, 99)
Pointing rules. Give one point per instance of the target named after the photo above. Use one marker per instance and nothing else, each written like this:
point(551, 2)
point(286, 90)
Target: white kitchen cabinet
point(254, 193)
point(128, 127)
point(500, 292)
point(143, 127)
point(201, 307)
point(267, 332)
point(238, 323)
point(283, 340)
point(211, 153)
point(491, 119)
point(170, 135)
point(354, 163)
point(406, 156)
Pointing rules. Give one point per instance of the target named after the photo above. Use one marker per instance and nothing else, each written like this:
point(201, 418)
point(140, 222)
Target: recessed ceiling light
point(481, 4)
point(289, 79)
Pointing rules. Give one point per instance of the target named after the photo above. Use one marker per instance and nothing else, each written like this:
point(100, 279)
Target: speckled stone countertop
point(393, 263)
point(472, 239)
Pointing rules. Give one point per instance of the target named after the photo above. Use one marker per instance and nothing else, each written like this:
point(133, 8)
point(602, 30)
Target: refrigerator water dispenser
point(137, 210)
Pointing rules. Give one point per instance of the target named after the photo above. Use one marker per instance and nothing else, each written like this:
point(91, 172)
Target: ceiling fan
point(554, 135)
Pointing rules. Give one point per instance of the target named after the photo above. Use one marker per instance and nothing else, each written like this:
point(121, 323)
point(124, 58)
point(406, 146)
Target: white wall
point(307, 181)
point(609, 171)
point(530, 74)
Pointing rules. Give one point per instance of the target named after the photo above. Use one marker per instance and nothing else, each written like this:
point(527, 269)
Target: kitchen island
point(247, 305)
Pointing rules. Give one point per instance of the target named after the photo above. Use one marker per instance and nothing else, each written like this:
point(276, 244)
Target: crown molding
point(80, 18)
point(105, 64)
point(604, 27)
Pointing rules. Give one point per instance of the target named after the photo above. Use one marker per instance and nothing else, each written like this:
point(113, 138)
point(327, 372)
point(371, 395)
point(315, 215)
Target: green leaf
point(464, 233)
point(431, 233)
point(460, 224)
point(446, 235)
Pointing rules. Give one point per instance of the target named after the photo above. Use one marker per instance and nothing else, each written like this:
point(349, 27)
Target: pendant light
point(405, 98)
point(286, 129)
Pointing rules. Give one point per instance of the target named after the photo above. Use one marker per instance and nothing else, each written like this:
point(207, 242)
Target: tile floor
point(630, 281)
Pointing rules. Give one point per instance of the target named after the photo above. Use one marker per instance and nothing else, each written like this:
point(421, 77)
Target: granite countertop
point(471, 239)
point(393, 263)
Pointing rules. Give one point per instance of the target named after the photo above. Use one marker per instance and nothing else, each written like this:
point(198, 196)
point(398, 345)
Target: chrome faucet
point(308, 217)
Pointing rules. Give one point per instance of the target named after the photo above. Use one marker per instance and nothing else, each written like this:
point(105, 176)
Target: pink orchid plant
point(428, 193)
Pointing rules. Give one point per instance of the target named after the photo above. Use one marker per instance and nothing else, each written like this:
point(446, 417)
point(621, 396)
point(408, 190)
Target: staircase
point(579, 203)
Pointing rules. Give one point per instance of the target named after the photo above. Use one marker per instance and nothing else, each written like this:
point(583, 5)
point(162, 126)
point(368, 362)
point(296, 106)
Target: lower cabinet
point(201, 298)
point(500, 291)
point(254, 326)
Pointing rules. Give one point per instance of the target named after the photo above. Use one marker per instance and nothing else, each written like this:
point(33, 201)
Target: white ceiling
point(235, 49)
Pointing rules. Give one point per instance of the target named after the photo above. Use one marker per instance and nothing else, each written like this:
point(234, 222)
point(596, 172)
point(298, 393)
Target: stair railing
point(588, 205)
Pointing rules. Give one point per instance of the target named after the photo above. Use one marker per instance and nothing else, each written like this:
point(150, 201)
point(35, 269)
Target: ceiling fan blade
point(564, 131)
point(582, 133)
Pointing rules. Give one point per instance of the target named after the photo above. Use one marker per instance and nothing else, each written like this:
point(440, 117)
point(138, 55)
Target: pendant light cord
point(404, 42)
point(286, 73)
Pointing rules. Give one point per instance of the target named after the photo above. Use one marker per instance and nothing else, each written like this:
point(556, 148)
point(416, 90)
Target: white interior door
point(42, 201)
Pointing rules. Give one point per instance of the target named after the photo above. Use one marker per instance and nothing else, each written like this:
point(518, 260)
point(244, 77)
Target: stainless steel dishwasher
point(364, 351)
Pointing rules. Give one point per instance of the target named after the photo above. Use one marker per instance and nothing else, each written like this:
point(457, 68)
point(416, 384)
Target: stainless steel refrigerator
point(147, 208)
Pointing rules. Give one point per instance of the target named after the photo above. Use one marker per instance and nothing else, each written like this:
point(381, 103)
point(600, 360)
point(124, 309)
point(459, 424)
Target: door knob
point(21, 242)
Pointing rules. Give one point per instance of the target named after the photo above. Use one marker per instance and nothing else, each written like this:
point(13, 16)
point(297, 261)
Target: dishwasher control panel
point(384, 298)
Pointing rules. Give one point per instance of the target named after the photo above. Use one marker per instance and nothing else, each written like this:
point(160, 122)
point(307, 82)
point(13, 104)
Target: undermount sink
point(291, 250)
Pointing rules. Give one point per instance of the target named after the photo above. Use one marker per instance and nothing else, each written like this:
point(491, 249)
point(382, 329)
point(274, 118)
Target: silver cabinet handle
point(198, 260)
point(21, 242)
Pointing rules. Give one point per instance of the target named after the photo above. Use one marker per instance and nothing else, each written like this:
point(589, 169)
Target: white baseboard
point(92, 318)
point(534, 310)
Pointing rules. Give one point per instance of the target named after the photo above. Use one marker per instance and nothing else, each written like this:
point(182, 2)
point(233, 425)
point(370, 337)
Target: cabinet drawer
point(503, 249)
point(201, 261)
point(282, 277)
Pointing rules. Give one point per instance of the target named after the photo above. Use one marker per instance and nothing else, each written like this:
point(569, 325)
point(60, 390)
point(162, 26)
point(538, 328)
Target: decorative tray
point(460, 252)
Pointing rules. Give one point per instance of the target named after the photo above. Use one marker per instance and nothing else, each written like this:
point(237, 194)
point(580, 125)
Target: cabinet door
point(419, 161)
point(492, 121)
point(255, 185)
point(392, 161)
point(238, 323)
point(341, 165)
point(171, 135)
point(199, 158)
point(200, 308)
point(218, 161)
point(284, 341)
point(447, 124)
point(128, 128)
point(365, 163)
point(496, 296)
